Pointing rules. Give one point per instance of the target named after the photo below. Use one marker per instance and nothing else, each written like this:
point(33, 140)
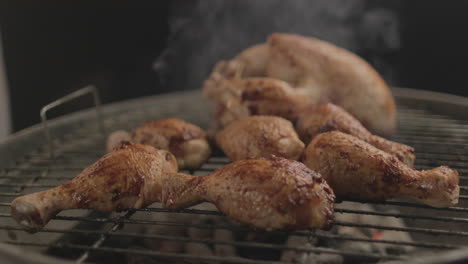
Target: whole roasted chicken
point(260, 136)
point(128, 177)
point(290, 73)
point(186, 141)
point(330, 117)
point(356, 169)
point(274, 193)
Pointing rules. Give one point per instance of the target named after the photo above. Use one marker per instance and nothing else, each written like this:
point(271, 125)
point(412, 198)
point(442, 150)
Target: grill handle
point(90, 89)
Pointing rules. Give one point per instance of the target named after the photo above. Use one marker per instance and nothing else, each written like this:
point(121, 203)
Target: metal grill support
point(86, 90)
point(439, 139)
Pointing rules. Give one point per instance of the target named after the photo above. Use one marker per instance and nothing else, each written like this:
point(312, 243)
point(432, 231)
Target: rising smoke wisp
point(204, 32)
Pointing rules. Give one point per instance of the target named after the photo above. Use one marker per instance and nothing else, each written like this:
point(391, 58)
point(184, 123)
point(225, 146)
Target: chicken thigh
point(330, 117)
point(309, 71)
point(260, 136)
point(186, 141)
point(356, 169)
point(128, 177)
point(270, 194)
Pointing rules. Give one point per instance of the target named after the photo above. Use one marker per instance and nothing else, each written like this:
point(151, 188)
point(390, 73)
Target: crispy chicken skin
point(330, 117)
point(356, 169)
point(273, 193)
point(309, 72)
point(241, 98)
point(186, 141)
point(270, 194)
point(128, 177)
point(115, 139)
point(260, 136)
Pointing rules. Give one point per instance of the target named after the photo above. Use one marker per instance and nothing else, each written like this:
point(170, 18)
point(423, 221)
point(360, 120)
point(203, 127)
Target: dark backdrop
point(52, 48)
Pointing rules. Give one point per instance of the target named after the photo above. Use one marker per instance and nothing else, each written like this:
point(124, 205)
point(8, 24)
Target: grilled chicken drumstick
point(270, 194)
point(274, 193)
point(128, 177)
point(356, 169)
point(260, 136)
point(330, 117)
point(186, 141)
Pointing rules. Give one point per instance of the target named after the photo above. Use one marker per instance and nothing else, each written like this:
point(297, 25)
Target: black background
point(52, 48)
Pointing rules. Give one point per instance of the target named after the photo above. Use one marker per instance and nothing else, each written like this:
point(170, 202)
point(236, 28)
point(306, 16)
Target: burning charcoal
point(198, 249)
point(304, 258)
point(390, 235)
point(140, 259)
point(356, 246)
point(261, 237)
point(171, 246)
point(329, 259)
point(352, 245)
point(377, 234)
point(310, 258)
point(201, 233)
point(369, 233)
point(292, 256)
point(224, 250)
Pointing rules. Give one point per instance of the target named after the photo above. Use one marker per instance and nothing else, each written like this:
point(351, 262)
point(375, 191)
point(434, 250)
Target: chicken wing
point(356, 169)
point(330, 117)
point(186, 141)
point(128, 177)
point(260, 136)
point(274, 193)
point(316, 71)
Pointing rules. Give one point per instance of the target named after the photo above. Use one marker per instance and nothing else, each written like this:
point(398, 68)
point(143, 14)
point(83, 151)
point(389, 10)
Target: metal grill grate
point(84, 235)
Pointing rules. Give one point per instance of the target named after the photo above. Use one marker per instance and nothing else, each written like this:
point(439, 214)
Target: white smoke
point(203, 32)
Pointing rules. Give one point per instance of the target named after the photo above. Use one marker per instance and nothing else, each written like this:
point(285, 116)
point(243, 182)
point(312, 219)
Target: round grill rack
point(432, 123)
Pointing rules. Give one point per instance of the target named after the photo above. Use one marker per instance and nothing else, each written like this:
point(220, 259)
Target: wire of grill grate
point(438, 140)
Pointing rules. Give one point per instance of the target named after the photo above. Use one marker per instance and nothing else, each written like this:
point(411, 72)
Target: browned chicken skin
point(128, 177)
point(356, 169)
point(260, 136)
point(330, 117)
point(238, 98)
point(270, 194)
point(299, 71)
point(186, 141)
